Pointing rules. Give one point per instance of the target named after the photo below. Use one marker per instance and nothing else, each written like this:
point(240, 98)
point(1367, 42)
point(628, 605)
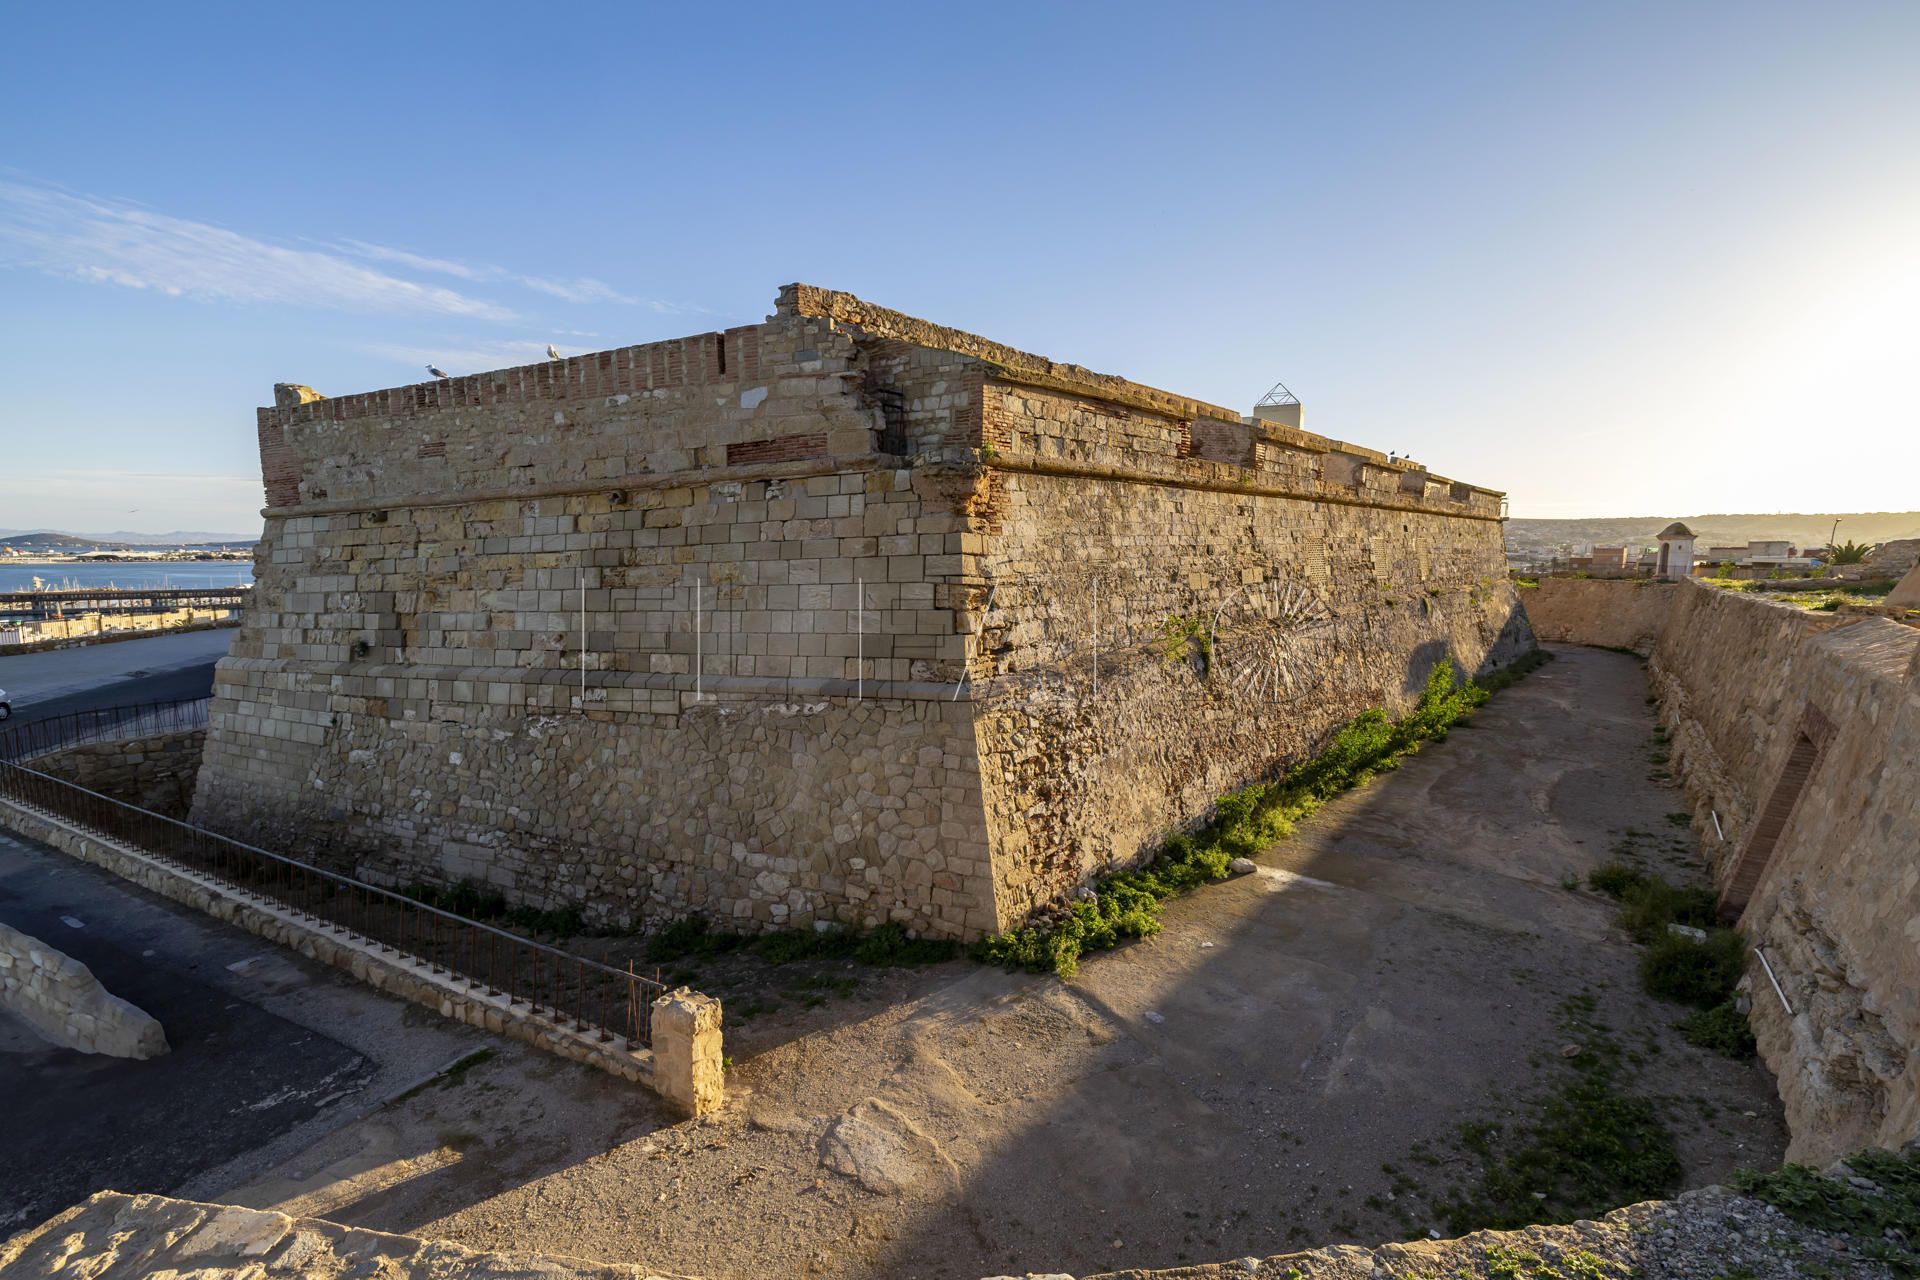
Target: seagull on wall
point(438, 372)
point(553, 352)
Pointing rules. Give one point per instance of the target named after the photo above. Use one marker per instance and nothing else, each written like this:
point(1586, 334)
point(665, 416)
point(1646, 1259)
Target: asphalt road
point(154, 669)
point(180, 685)
point(268, 1051)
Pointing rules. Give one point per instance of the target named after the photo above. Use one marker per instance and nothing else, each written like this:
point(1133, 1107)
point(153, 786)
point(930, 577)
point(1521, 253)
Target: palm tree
point(1848, 552)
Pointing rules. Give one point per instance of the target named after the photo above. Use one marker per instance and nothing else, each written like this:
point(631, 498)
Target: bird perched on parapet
point(438, 372)
point(553, 352)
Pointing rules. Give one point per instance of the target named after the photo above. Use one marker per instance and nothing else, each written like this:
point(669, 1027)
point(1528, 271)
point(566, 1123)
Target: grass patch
point(1701, 974)
point(1648, 904)
point(1614, 879)
point(1649, 907)
point(695, 938)
point(1127, 903)
point(1722, 1029)
point(1507, 1263)
point(1584, 1148)
point(1675, 967)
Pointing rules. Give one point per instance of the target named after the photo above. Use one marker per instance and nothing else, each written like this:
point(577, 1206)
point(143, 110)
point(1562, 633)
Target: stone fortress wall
point(882, 622)
point(1799, 733)
point(155, 772)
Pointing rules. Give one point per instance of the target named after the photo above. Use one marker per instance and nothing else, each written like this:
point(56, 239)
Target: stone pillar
point(688, 1068)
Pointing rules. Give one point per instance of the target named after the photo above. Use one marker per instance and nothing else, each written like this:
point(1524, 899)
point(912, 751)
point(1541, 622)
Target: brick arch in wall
point(1756, 852)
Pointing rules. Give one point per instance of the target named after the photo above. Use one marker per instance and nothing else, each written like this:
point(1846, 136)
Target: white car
point(6, 708)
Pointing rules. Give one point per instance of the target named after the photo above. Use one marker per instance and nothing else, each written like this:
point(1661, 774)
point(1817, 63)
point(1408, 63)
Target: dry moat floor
point(1291, 1063)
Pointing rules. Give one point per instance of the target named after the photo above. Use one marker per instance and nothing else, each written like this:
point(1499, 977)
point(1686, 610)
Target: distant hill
point(54, 540)
point(1720, 530)
point(48, 541)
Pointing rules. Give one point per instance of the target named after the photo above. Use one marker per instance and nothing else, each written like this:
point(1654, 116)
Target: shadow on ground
point(1290, 1062)
point(267, 1050)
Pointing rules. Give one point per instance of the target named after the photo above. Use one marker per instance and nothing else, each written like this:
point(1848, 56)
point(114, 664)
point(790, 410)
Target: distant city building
point(1761, 555)
point(1606, 560)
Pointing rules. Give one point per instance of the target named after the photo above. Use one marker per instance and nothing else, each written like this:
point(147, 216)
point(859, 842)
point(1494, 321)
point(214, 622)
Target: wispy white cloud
point(461, 356)
point(580, 289)
point(108, 241)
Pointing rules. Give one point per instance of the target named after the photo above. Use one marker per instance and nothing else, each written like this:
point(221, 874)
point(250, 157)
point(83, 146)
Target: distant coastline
point(133, 558)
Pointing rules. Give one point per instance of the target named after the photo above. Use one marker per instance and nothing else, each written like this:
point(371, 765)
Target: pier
point(68, 602)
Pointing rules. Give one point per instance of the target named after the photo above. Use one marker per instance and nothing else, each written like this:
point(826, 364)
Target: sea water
point(127, 574)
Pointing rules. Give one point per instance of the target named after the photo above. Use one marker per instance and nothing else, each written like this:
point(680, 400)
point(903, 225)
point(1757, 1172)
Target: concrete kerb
point(685, 1025)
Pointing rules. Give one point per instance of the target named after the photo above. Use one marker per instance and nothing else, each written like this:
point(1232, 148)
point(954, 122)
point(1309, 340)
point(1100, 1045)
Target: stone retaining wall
point(1610, 613)
point(1802, 733)
point(154, 772)
point(1797, 736)
point(63, 1001)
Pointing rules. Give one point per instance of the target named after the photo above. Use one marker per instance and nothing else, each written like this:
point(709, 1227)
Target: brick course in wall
point(788, 624)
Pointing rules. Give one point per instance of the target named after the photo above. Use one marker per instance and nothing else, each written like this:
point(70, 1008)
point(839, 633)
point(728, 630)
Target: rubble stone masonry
point(844, 617)
point(155, 772)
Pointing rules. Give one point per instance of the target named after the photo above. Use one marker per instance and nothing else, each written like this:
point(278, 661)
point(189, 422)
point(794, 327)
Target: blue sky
point(1615, 259)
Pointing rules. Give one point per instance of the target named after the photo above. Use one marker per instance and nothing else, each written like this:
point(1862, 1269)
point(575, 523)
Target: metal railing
point(590, 997)
point(103, 724)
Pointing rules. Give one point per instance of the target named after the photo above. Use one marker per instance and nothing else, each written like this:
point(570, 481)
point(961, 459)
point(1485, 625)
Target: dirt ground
point(1288, 1064)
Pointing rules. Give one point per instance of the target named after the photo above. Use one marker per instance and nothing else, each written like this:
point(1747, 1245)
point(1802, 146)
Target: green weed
point(1614, 879)
point(1187, 639)
point(1127, 904)
point(1722, 1029)
point(1701, 974)
point(1887, 1218)
point(1646, 909)
point(1579, 1150)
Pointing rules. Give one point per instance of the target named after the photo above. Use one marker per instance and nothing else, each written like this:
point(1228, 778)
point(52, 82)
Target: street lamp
point(1831, 534)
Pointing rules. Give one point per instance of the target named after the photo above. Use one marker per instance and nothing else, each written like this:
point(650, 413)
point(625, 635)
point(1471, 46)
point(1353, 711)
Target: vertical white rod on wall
point(583, 639)
point(1096, 636)
point(698, 656)
point(1775, 981)
point(859, 639)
